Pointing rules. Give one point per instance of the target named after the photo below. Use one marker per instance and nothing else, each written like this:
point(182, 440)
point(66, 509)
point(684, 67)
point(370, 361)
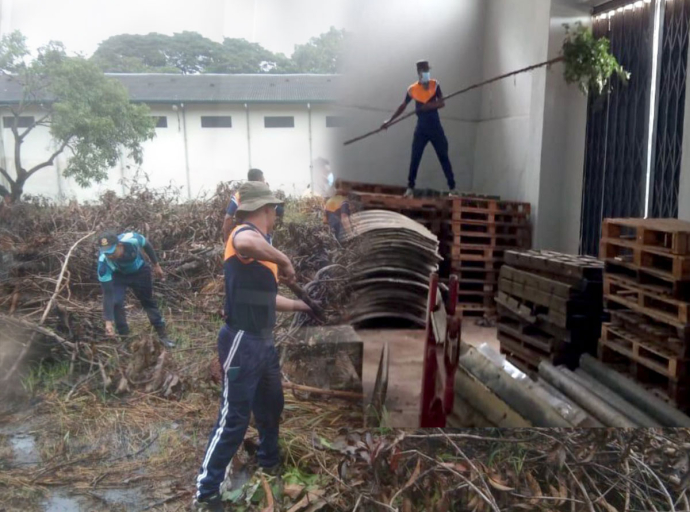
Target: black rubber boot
point(164, 338)
point(211, 504)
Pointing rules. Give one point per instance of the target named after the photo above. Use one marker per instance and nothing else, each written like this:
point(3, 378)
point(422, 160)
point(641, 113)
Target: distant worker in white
point(426, 93)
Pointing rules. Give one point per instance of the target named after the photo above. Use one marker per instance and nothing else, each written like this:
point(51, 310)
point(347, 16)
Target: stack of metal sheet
point(390, 278)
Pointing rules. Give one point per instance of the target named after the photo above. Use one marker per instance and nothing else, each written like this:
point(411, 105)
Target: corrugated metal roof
point(210, 88)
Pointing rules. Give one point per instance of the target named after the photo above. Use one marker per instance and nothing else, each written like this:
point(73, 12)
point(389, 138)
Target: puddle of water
point(130, 499)
point(24, 449)
point(62, 502)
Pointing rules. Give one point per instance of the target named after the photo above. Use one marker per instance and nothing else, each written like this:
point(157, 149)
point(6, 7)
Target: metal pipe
point(582, 397)
point(629, 390)
point(311, 151)
point(590, 422)
point(518, 395)
point(249, 137)
point(614, 400)
point(186, 151)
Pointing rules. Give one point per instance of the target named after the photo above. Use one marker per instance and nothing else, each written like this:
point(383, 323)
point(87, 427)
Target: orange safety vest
point(420, 93)
point(333, 205)
point(231, 252)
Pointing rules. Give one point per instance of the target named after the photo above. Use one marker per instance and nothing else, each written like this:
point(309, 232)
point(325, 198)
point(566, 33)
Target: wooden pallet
point(670, 235)
point(497, 228)
point(527, 336)
point(544, 284)
point(629, 294)
point(627, 253)
point(654, 356)
point(476, 253)
point(490, 205)
point(477, 285)
point(673, 391)
point(489, 240)
point(558, 264)
point(676, 339)
point(531, 310)
point(461, 265)
point(345, 187)
point(652, 280)
point(394, 202)
point(489, 217)
point(476, 275)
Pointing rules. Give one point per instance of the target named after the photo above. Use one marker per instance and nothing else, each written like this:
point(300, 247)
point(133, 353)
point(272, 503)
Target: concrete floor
point(405, 371)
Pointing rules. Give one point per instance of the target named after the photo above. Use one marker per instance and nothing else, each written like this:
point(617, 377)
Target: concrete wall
point(530, 138)
point(508, 149)
point(563, 144)
point(388, 38)
point(212, 155)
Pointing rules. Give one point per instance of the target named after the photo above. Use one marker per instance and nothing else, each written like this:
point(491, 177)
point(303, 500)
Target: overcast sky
point(82, 24)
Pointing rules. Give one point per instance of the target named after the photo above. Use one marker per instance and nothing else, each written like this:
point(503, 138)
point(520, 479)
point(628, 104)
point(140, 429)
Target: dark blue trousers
point(437, 137)
point(251, 383)
point(142, 285)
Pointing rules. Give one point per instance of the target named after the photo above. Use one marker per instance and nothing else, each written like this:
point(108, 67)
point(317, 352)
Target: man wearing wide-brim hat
point(247, 355)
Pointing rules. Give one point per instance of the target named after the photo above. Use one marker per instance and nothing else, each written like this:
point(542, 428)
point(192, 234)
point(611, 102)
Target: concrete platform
point(405, 374)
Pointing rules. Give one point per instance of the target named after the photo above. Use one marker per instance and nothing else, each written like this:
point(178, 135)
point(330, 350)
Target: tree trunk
point(17, 189)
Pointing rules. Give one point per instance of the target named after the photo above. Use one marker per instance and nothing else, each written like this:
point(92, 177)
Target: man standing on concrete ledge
point(252, 380)
point(428, 100)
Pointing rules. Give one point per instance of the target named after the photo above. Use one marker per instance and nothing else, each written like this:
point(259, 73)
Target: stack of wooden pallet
point(474, 242)
point(647, 289)
point(549, 307)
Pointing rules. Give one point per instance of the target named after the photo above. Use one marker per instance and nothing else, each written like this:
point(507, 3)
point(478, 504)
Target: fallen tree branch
point(327, 392)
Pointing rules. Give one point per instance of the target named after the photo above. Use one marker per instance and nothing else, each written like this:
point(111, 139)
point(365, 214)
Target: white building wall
point(207, 157)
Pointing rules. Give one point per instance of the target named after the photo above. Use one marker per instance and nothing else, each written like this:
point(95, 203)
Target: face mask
point(426, 76)
point(331, 179)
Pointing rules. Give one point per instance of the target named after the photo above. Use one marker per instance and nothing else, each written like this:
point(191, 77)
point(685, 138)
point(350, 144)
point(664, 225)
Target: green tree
point(88, 115)
point(322, 54)
point(241, 56)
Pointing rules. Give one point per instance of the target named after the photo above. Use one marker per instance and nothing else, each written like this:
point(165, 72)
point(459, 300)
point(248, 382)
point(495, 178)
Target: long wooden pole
point(463, 91)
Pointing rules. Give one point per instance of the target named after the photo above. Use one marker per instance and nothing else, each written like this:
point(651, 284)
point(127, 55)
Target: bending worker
point(428, 98)
point(337, 212)
point(121, 266)
point(252, 378)
point(256, 175)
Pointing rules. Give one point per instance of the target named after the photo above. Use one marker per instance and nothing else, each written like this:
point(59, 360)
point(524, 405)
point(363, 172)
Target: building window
point(279, 122)
point(216, 121)
point(161, 121)
point(22, 122)
point(335, 122)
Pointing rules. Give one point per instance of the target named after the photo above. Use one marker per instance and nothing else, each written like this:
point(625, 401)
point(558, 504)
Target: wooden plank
point(545, 284)
point(540, 343)
point(652, 280)
point(476, 253)
point(401, 203)
point(657, 306)
point(490, 205)
point(490, 217)
point(676, 338)
point(635, 256)
point(489, 240)
point(670, 235)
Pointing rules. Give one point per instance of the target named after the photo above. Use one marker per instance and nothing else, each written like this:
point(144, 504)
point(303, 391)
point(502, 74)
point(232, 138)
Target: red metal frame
point(440, 359)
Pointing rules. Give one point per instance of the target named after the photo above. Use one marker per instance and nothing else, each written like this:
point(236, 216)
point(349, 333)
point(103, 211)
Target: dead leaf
point(534, 488)
point(312, 497)
point(415, 474)
point(555, 493)
point(407, 505)
point(293, 490)
point(607, 506)
point(557, 456)
point(270, 505)
point(318, 505)
point(458, 467)
point(496, 482)
point(394, 459)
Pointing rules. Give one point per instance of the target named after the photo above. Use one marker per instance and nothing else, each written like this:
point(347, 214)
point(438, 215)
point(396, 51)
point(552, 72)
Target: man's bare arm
point(287, 305)
point(228, 225)
point(395, 115)
point(250, 244)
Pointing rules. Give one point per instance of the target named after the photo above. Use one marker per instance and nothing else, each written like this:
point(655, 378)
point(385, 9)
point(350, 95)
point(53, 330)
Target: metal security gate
point(617, 127)
point(665, 175)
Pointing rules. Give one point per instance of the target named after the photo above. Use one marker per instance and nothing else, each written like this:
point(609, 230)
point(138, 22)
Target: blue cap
point(107, 242)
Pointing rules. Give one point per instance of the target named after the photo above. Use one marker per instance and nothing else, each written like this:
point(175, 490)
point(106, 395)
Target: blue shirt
point(130, 262)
